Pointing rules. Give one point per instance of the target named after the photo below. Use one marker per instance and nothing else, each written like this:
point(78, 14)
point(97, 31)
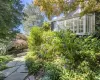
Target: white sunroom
point(80, 25)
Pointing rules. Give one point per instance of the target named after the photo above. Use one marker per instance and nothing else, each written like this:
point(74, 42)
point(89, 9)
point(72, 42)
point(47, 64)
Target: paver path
point(17, 70)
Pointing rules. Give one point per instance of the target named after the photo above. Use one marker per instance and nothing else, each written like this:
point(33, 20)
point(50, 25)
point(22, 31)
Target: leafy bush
point(46, 26)
point(3, 48)
point(35, 38)
point(50, 46)
point(68, 40)
point(72, 75)
point(63, 56)
point(33, 63)
point(90, 47)
point(3, 61)
point(52, 71)
point(71, 47)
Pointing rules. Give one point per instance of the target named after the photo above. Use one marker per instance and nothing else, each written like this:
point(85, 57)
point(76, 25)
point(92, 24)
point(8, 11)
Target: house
point(84, 25)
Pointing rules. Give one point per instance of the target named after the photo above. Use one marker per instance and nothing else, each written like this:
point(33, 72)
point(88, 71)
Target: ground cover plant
point(62, 55)
point(3, 60)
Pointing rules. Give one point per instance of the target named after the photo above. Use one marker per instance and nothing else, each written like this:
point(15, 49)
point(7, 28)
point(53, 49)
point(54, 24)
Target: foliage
point(3, 48)
point(18, 45)
point(50, 47)
point(52, 71)
point(72, 75)
point(63, 56)
point(32, 17)
point(35, 38)
point(33, 64)
point(3, 61)
point(68, 39)
point(46, 26)
point(56, 7)
point(10, 18)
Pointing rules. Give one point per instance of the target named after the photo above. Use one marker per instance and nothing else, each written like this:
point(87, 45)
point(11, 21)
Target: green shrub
point(68, 40)
point(46, 26)
point(90, 48)
point(51, 46)
point(3, 67)
point(52, 71)
point(72, 75)
point(33, 63)
point(60, 62)
point(3, 61)
point(48, 47)
point(35, 39)
point(92, 44)
point(48, 37)
point(83, 72)
point(71, 47)
point(63, 55)
point(78, 49)
point(3, 48)
point(34, 66)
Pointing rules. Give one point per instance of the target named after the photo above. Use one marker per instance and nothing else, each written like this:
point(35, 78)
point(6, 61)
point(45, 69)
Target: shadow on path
point(17, 70)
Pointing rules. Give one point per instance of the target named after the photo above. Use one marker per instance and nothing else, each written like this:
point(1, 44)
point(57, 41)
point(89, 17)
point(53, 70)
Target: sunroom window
point(60, 25)
point(75, 25)
point(71, 24)
point(81, 25)
point(67, 24)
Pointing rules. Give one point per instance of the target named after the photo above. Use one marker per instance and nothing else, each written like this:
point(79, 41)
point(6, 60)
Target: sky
point(25, 2)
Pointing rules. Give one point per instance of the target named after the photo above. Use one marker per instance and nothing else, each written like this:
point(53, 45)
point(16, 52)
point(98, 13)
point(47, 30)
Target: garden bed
point(63, 56)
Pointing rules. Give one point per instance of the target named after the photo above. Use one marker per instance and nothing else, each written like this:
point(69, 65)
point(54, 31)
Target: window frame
point(86, 23)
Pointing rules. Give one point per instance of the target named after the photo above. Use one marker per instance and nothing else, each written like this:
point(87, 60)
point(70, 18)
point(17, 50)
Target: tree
point(56, 7)
point(33, 17)
point(10, 18)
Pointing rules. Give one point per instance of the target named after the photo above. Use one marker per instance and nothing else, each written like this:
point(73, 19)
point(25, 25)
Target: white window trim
point(84, 24)
point(91, 25)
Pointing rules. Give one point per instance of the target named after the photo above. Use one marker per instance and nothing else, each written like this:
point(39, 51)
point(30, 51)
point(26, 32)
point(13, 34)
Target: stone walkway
point(17, 70)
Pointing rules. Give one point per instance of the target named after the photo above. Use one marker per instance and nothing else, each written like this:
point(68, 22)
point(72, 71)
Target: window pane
point(75, 25)
point(67, 24)
point(81, 25)
point(71, 24)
